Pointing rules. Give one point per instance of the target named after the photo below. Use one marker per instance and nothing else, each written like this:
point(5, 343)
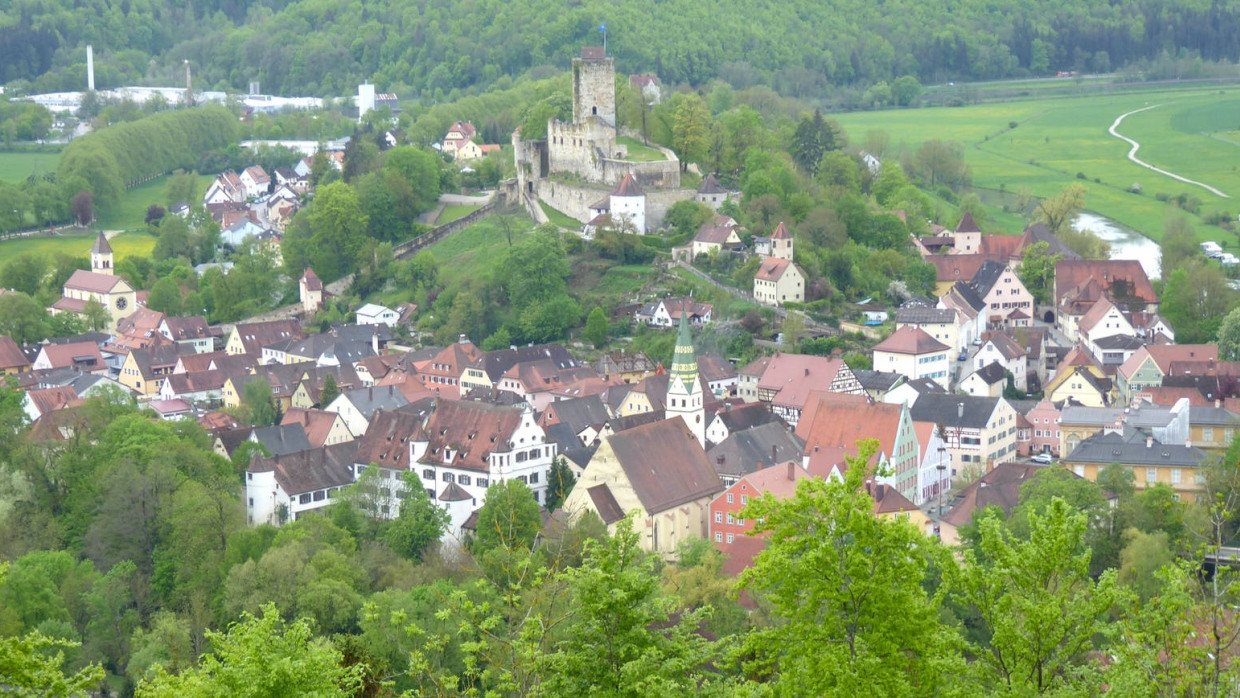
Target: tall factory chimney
point(90, 68)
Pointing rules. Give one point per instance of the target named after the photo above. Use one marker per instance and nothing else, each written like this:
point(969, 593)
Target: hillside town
point(945, 400)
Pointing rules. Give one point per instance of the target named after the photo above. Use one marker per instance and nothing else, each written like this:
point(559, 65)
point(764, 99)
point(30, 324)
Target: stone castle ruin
point(581, 160)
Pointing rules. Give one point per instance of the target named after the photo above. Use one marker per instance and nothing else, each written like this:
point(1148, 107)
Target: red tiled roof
point(773, 269)
point(93, 282)
point(312, 280)
point(956, 267)
point(781, 232)
point(910, 339)
point(60, 355)
point(831, 420)
point(1071, 273)
point(628, 187)
point(967, 224)
point(11, 355)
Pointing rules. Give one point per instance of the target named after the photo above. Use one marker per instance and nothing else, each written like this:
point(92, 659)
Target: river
point(1126, 243)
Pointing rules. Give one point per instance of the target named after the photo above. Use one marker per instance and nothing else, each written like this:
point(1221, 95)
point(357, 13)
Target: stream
point(1126, 243)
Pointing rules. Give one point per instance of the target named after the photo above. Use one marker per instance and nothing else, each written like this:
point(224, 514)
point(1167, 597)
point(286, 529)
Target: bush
point(1081, 175)
point(1011, 124)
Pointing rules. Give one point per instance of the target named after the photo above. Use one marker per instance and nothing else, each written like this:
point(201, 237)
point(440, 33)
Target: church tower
point(684, 385)
point(101, 256)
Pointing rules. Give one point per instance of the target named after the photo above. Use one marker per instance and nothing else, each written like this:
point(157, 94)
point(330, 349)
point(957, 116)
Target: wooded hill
point(429, 48)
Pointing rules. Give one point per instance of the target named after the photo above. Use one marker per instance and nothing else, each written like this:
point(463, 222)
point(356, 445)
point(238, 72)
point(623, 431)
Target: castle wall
point(664, 174)
point(574, 200)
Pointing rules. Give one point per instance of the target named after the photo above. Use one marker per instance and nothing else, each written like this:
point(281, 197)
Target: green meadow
point(16, 167)
point(1046, 144)
point(130, 213)
point(77, 244)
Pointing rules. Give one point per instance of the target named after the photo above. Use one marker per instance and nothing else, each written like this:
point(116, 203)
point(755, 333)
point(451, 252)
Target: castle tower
point(781, 243)
point(684, 385)
point(101, 255)
point(594, 86)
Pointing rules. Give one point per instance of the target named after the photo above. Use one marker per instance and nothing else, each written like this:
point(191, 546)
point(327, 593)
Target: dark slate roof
point(745, 417)
point(369, 400)
point(579, 413)
point(1211, 416)
point(497, 363)
point(987, 276)
point(1000, 487)
point(564, 435)
point(283, 440)
point(1038, 232)
point(1132, 448)
point(664, 464)
point(878, 380)
point(619, 424)
point(311, 470)
point(921, 315)
point(605, 503)
point(710, 185)
point(748, 451)
point(992, 373)
point(1120, 342)
point(954, 410)
point(969, 295)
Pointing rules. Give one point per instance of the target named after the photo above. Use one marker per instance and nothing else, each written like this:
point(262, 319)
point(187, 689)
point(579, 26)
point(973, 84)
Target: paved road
point(1132, 153)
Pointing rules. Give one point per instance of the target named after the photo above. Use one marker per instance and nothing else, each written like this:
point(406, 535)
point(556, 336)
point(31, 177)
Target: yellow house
point(647, 396)
point(322, 428)
point(145, 370)
point(657, 472)
point(1085, 384)
point(889, 503)
point(1151, 462)
point(778, 281)
point(1212, 427)
point(713, 238)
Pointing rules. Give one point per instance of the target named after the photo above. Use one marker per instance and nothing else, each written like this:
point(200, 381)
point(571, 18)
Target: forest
point(432, 48)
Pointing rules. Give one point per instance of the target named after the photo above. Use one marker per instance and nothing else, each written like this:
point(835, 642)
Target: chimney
point(807, 373)
point(959, 410)
point(1188, 443)
point(773, 455)
point(305, 418)
point(1149, 442)
point(370, 393)
point(718, 460)
point(792, 470)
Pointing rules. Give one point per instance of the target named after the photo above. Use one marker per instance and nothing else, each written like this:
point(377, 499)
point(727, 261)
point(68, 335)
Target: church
point(100, 284)
point(659, 471)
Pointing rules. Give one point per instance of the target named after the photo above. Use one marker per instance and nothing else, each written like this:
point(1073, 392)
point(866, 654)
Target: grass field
point(77, 244)
point(558, 217)
point(455, 212)
point(130, 213)
point(15, 167)
point(1060, 141)
point(638, 151)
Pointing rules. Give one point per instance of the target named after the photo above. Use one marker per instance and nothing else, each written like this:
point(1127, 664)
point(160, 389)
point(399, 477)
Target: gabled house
point(915, 354)
point(714, 238)
point(495, 368)
point(322, 428)
point(100, 285)
point(1081, 283)
point(1000, 348)
point(971, 309)
point(1150, 364)
point(82, 356)
point(282, 439)
point(730, 419)
point(283, 487)
point(987, 381)
point(712, 193)
point(657, 472)
point(943, 324)
point(251, 337)
point(310, 291)
point(38, 404)
point(12, 360)
point(1009, 303)
point(357, 407)
point(785, 382)
point(666, 312)
point(750, 450)
point(718, 374)
point(224, 189)
point(999, 487)
point(145, 370)
point(255, 180)
point(979, 432)
point(191, 333)
point(727, 526)
point(442, 374)
point(839, 422)
point(372, 314)
point(778, 281)
point(629, 367)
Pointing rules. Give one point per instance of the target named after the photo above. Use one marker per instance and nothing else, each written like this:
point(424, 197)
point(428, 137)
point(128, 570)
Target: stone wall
point(594, 89)
point(575, 200)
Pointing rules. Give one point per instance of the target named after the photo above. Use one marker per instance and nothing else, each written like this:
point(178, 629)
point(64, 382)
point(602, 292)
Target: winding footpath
point(1132, 153)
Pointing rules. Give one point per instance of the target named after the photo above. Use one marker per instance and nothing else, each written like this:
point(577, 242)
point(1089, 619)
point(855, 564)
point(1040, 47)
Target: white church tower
point(101, 256)
point(684, 385)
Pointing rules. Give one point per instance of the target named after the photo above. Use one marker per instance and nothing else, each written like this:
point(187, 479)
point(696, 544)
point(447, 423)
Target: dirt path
point(1132, 153)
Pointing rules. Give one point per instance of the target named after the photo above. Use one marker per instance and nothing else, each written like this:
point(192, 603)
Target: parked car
point(1043, 458)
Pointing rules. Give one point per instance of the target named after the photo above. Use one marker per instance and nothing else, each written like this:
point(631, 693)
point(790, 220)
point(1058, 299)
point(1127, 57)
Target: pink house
point(1044, 420)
